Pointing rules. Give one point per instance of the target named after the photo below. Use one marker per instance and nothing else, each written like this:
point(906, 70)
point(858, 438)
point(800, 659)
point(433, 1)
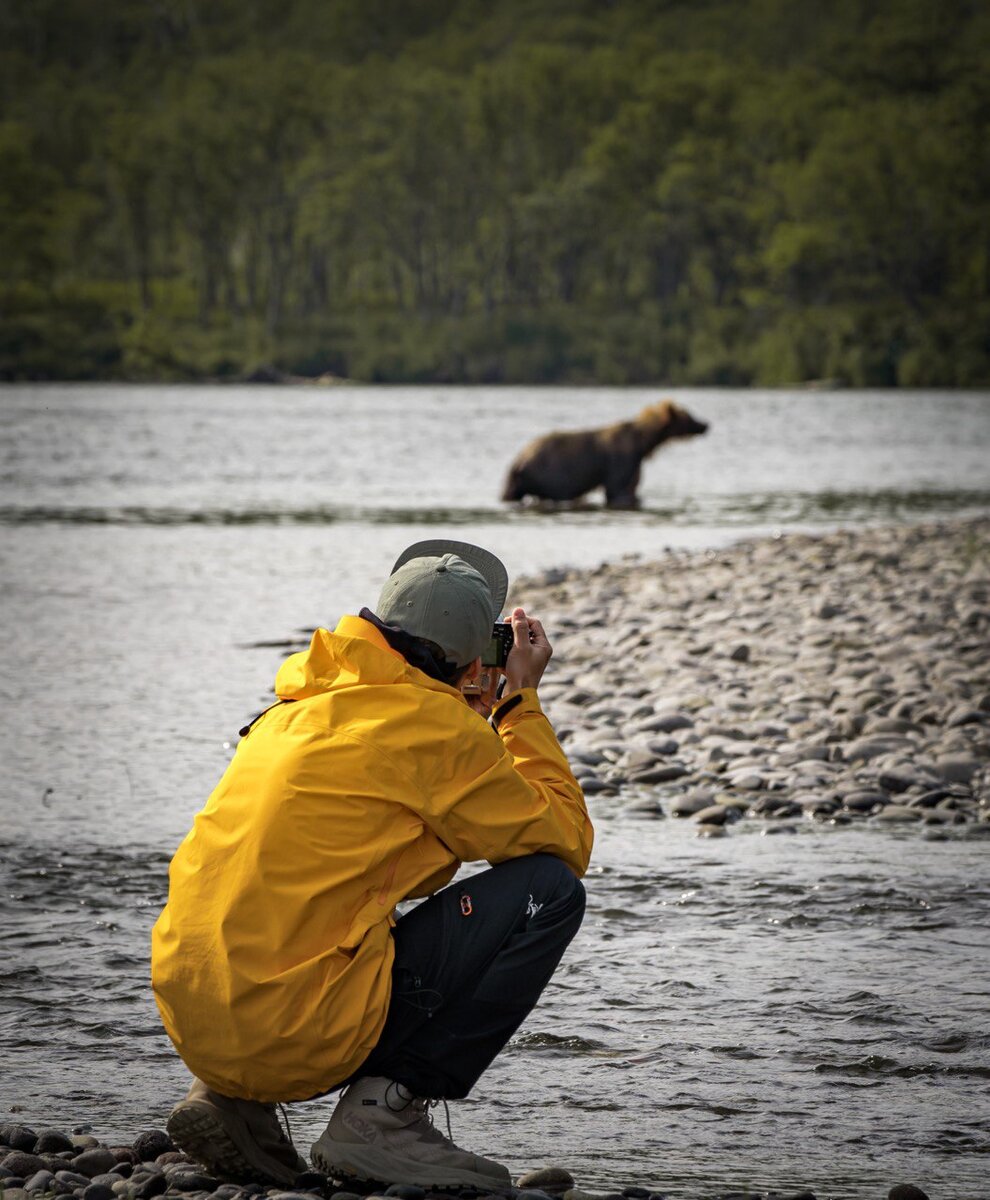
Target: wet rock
point(408, 1191)
point(23, 1164)
point(316, 1181)
point(906, 1191)
point(693, 802)
point(660, 773)
point(18, 1137)
point(715, 814)
point(554, 1180)
point(662, 747)
point(710, 831)
point(191, 1181)
point(166, 1157)
point(865, 802)
point(965, 716)
point(98, 1191)
point(900, 778)
point(864, 749)
point(40, 1181)
point(668, 722)
point(73, 1178)
point(740, 652)
point(84, 1141)
point(152, 1185)
point(94, 1162)
point(898, 812)
point(957, 768)
point(51, 1141)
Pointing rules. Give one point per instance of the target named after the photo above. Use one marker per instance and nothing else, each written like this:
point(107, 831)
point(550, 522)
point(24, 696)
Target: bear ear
point(661, 413)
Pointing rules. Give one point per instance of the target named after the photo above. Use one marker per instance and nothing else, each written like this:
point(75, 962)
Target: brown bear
point(564, 466)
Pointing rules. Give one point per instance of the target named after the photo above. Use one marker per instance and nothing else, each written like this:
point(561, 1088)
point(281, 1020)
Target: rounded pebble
point(549, 1179)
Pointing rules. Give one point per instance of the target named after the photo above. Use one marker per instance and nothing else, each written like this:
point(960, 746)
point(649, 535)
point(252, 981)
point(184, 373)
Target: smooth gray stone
point(18, 1137)
point(664, 746)
point(73, 1178)
point(965, 716)
point(23, 1164)
point(84, 1141)
point(898, 812)
point(715, 814)
point(691, 802)
point(98, 1191)
point(957, 768)
point(96, 1161)
point(51, 1141)
point(549, 1179)
point(15, 1193)
point(864, 802)
point(153, 1185)
point(594, 786)
point(661, 773)
point(668, 722)
point(41, 1181)
point(191, 1181)
point(899, 779)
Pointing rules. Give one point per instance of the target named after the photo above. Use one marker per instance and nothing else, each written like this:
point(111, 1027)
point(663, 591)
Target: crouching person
point(279, 967)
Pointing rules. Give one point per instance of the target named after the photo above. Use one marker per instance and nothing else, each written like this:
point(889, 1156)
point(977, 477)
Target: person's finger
point(537, 633)
point(520, 628)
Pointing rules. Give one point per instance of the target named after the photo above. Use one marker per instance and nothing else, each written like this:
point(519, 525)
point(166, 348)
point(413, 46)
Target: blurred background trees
point(502, 191)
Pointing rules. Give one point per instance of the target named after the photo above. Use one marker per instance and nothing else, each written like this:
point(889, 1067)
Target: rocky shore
point(838, 679)
point(46, 1163)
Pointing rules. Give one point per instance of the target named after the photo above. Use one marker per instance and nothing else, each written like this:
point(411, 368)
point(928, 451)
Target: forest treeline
point(496, 190)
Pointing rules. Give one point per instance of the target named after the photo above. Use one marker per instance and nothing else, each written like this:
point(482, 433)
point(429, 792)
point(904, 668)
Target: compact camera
point(497, 650)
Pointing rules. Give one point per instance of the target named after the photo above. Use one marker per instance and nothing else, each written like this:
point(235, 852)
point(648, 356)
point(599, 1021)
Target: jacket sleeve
point(503, 795)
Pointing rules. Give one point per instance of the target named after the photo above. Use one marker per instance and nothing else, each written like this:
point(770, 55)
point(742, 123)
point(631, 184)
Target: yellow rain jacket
point(271, 962)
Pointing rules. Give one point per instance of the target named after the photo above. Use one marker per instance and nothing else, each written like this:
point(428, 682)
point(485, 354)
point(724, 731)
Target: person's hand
point(529, 655)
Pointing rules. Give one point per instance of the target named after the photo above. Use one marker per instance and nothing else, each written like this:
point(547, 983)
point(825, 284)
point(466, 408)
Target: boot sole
point(198, 1132)
point(377, 1166)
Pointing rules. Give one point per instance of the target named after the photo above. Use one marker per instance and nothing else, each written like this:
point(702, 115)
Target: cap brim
point(484, 562)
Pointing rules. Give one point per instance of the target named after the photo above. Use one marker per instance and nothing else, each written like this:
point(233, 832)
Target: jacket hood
point(355, 653)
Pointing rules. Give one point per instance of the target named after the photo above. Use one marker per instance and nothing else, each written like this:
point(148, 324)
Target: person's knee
point(558, 883)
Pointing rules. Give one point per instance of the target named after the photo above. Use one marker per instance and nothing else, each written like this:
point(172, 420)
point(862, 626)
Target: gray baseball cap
point(447, 592)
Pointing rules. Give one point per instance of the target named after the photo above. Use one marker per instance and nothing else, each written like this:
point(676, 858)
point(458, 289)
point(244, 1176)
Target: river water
point(761, 1012)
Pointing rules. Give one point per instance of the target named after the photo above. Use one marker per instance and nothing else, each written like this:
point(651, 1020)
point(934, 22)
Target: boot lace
point(286, 1134)
point(402, 1099)
point(427, 1107)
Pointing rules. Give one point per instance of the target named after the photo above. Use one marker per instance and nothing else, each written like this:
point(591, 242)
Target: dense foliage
point(496, 190)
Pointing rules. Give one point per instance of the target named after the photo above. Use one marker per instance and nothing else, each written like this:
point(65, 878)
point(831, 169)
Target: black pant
point(470, 964)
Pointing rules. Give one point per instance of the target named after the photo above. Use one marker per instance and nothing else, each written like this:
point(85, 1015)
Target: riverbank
point(835, 679)
point(50, 1163)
